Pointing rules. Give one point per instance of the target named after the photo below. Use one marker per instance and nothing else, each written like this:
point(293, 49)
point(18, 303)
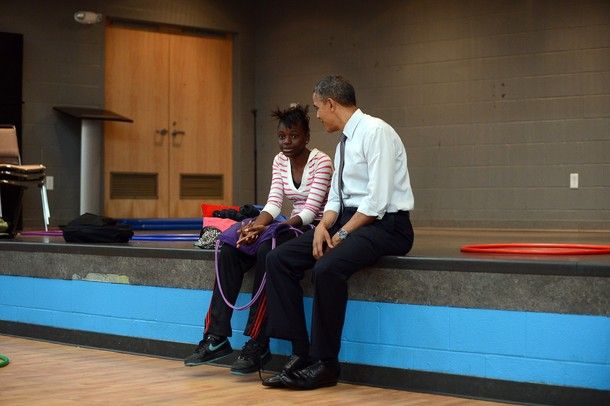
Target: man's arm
point(321, 237)
point(322, 240)
point(358, 220)
point(380, 155)
point(380, 159)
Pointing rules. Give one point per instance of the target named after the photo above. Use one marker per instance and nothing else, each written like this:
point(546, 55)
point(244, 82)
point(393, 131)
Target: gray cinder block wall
point(496, 101)
point(64, 65)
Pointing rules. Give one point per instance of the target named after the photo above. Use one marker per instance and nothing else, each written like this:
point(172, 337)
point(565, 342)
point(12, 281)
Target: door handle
point(162, 131)
point(177, 132)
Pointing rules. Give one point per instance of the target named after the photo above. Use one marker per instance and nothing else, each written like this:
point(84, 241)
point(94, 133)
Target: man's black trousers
point(392, 235)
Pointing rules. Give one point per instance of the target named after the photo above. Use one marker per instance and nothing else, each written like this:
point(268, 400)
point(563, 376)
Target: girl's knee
point(262, 252)
point(273, 258)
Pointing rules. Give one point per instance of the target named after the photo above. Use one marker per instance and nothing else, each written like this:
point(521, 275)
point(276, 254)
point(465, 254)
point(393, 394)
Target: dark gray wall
point(64, 65)
point(496, 101)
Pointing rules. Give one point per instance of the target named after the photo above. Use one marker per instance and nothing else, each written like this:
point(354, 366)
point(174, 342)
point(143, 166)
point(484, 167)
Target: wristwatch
point(342, 234)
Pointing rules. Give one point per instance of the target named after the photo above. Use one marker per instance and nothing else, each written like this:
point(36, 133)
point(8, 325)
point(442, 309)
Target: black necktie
point(341, 165)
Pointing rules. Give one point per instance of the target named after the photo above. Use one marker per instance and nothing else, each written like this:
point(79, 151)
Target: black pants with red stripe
point(392, 235)
point(233, 265)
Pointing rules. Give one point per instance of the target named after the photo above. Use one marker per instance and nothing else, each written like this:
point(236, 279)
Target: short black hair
point(293, 115)
point(337, 88)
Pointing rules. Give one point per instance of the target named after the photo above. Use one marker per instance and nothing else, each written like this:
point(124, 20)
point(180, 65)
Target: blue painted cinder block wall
point(545, 348)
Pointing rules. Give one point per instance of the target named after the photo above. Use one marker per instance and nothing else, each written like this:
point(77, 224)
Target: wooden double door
point(177, 153)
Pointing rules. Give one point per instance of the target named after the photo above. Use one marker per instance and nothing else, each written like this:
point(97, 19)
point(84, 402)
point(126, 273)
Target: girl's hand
point(249, 234)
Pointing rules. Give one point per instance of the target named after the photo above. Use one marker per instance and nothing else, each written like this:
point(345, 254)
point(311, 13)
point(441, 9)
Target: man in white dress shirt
point(366, 217)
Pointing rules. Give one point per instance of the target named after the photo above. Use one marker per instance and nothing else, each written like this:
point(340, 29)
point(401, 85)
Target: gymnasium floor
point(45, 373)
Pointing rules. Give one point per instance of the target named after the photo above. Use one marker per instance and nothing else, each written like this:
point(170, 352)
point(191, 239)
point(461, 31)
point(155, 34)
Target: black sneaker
point(251, 358)
point(209, 349)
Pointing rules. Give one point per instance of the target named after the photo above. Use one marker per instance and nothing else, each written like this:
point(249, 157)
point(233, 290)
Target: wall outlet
point(49, 182)
point(573, 181)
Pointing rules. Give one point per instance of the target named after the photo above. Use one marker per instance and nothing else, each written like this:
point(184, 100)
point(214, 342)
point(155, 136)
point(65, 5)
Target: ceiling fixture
point(88, 17)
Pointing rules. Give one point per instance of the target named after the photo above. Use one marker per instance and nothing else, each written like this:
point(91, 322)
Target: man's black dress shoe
point(317, 375)
point(294, 364)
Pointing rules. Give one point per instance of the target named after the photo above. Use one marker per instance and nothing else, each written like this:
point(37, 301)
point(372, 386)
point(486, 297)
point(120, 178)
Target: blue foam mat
point(163, 224)
point(165, 237)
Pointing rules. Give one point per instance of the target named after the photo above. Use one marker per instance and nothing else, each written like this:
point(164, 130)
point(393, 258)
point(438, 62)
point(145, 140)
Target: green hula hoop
point(4, 360)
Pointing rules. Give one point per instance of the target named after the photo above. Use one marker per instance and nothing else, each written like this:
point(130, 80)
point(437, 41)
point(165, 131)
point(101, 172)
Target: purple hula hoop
point(263, 282)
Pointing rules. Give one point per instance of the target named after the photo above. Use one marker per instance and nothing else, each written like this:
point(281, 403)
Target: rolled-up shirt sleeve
point(380, 154)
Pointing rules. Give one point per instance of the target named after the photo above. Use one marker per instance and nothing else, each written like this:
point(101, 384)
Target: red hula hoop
point(535, 248)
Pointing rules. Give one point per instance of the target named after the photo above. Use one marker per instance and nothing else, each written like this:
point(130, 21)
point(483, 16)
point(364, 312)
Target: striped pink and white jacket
point(309, 199)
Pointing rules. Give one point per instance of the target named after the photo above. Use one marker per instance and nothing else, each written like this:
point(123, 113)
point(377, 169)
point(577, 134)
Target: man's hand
point(321, 241)
point(335, 241)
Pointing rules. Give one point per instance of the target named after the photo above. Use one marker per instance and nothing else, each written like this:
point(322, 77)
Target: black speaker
point(11, 78)
point(11, 101)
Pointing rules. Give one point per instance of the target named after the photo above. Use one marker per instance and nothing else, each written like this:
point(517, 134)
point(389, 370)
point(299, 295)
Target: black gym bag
point(93, 228)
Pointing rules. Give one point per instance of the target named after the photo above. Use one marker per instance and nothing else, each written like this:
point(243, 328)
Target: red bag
point(208, 209)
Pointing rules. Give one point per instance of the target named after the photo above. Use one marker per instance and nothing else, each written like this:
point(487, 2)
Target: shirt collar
point(352, 123)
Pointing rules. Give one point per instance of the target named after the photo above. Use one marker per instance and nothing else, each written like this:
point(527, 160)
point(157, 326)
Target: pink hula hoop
point(535, 248)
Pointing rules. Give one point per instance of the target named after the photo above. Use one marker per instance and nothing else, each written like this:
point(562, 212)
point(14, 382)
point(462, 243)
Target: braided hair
point(292, 116)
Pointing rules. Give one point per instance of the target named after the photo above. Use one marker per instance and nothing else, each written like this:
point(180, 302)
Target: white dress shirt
point(375, 176)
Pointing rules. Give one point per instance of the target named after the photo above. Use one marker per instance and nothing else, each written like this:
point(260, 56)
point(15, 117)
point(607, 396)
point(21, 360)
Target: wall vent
point(198, 186)
point(132, 185)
